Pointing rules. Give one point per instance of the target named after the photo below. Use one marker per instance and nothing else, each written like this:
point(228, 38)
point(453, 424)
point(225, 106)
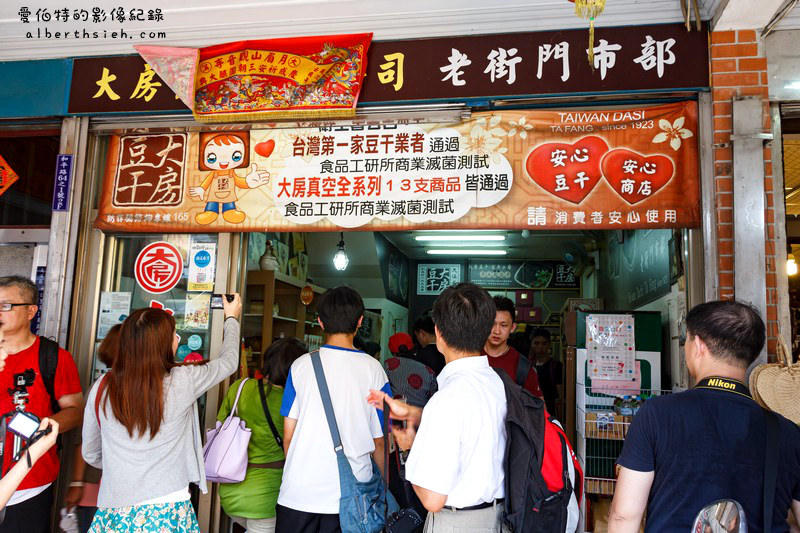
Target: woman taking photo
point(251, 503)
point(146, 435)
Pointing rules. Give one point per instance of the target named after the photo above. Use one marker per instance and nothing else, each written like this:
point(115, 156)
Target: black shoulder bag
point(275, 433)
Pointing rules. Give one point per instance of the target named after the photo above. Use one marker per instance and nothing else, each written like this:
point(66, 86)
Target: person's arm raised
point(10, 482)
point(203, 377)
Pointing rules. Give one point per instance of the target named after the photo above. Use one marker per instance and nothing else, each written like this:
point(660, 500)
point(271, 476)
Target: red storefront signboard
point(545, 169)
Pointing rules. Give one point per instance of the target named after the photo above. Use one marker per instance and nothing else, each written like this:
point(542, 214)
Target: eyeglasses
point(8, 307)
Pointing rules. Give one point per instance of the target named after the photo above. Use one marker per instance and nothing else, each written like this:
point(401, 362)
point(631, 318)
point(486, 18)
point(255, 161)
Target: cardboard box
point(529, 315)
point(607, 425)
point(523, 298)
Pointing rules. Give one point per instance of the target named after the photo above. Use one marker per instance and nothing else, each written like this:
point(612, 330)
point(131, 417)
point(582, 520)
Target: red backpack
point(543, 479)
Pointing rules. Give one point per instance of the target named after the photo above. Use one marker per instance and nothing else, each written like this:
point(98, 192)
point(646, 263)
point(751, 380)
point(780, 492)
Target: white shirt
point(311, 475)
point(460, 445)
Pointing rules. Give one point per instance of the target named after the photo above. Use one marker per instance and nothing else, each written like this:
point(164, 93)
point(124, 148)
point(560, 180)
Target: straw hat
point(776, 386)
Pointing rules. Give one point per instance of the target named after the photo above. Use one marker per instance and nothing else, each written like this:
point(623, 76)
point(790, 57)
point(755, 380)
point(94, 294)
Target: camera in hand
point(216, 300)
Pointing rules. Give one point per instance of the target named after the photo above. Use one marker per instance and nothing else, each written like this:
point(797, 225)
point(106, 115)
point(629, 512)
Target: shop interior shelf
point(284, 318)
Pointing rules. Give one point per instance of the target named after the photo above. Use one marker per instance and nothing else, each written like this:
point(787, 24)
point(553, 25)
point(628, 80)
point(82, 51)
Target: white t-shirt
point(459, 448)
point(311, 475)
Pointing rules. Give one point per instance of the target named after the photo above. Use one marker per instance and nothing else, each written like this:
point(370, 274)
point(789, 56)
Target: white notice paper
point(610, 347)
point(202, 260)
point(114, 308)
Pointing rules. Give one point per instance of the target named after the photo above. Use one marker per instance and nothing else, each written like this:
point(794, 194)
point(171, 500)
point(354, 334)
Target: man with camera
point(24, 389)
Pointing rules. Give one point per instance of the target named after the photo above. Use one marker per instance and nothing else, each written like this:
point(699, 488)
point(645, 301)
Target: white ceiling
point(206, 22)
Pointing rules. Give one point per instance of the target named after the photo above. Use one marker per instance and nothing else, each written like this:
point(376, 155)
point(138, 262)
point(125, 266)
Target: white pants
point(256, 525)
point(487, 520)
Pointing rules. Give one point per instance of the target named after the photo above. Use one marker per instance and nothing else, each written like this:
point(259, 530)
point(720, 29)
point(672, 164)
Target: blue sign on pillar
point(63, 176)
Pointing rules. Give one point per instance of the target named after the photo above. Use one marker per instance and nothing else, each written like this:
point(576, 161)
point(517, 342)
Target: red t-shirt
point(66, 382)
point(508, 362)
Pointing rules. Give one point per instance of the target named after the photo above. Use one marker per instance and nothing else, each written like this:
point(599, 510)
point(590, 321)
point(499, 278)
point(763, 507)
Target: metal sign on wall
point(600, 169)
point(631, 58)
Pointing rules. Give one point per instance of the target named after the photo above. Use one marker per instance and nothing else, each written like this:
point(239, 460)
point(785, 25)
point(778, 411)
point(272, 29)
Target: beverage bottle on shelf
point(626, 408)
point(618, 405)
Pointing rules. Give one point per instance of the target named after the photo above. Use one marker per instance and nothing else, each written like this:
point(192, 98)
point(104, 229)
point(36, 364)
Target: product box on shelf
point(529, 315)
point(523, 298)
point(607, 425)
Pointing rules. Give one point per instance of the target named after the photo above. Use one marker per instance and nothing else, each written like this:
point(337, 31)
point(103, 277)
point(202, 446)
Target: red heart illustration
point(569, 171)
point(265, 149)
point(634, 176)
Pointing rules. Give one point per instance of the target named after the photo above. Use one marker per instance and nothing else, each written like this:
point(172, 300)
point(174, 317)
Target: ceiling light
point(464, 251)
point(340, 259)
point(791, 266)
point(459, 238)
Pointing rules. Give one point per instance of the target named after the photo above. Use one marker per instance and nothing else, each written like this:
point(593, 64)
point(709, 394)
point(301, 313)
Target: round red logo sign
point(158, 267)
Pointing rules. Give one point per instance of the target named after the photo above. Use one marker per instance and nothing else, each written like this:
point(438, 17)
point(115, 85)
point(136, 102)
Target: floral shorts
point(176, 517)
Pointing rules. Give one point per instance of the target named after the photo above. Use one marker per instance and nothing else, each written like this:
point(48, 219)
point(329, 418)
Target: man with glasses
point(29, 507)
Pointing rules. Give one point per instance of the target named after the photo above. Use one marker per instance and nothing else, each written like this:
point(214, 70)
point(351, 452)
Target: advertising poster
point(196, 315)
point(202, 263)
point(610, 346)
point(524, 169)
point(114, 309)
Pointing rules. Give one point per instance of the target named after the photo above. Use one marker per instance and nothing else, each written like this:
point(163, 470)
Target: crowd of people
point(316, 415)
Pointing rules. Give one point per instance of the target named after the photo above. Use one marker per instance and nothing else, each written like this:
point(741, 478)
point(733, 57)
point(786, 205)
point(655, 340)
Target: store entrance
point(548, 276)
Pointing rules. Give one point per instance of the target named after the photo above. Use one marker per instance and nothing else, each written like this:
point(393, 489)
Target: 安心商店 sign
point(547, 169)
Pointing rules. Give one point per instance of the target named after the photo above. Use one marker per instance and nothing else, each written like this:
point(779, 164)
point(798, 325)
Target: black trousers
point(30, 516)
point(292, 521)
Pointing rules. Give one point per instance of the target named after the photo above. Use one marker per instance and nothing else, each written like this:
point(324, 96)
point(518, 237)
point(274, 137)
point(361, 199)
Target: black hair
point(372, 348)
point(541, 332)
point(359, 344)
point(505, 304)
point(520, 342)
point(279, 358)
point(464, 315)
point(28, 288)
point(425, 323)
point(733, 331)
point(340, 309)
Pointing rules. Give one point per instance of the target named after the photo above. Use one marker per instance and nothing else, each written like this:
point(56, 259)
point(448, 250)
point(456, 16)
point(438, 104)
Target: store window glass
point(29, 201)
point(188, 300)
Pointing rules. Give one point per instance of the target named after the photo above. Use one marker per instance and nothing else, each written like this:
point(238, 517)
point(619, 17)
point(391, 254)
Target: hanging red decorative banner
point(303, 77)
point(7, 176)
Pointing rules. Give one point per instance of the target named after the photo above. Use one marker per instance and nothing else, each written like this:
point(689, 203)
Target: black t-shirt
point(430, 356)
point(549, 377)
point(706, 445)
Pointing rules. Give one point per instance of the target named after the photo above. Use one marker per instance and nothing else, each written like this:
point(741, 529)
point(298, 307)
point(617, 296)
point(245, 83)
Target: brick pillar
point(739, 68)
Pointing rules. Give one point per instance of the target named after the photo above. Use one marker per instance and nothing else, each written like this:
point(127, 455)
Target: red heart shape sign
point(569, 171)
point(634, 176)
point(265, 149)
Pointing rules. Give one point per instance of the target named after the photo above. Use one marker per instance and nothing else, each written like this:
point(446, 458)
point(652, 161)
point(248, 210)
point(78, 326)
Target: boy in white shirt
point(458, 442)
point(310, 492)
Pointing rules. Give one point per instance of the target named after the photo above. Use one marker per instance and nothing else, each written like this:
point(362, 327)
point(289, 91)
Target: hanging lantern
point(589, 9)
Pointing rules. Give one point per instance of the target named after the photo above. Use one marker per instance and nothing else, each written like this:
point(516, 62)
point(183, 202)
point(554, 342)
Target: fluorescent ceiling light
point(793, 85)
point(459, 238)
point(464, 251)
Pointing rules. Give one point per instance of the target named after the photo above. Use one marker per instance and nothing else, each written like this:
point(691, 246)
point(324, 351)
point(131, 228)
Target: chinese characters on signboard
point(635, 58)
point(150, 170)
point(514, 274)
point(616, 169)
point(62, 180)
point(434, 278)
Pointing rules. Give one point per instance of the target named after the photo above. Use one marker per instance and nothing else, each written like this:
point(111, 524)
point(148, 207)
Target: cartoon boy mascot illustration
point(222, 154)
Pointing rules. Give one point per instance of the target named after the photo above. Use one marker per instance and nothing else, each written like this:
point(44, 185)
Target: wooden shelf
point(284, 318)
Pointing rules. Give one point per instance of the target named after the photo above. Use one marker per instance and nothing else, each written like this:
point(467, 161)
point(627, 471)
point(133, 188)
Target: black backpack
point(48, 364)
point(531, 464)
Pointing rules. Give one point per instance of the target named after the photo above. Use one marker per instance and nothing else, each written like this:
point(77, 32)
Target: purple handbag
point(225, 452)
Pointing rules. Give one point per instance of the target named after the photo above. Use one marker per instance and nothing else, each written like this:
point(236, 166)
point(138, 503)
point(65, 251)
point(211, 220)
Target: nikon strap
point(725, 384)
